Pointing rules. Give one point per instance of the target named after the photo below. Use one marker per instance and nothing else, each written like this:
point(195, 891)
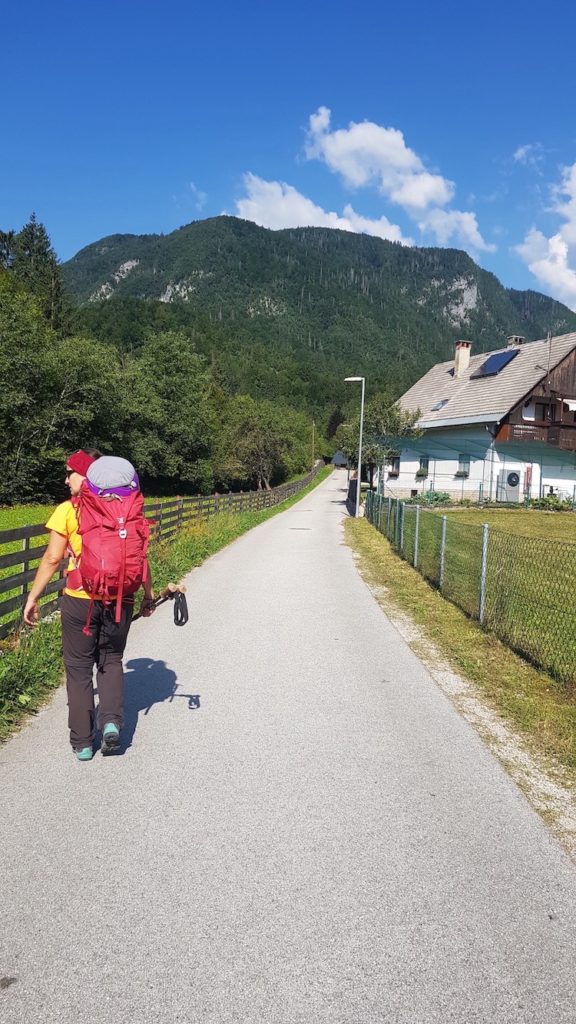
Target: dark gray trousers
point(104, 648)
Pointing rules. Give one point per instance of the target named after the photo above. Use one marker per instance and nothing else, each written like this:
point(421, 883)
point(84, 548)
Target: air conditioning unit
point(508, 485)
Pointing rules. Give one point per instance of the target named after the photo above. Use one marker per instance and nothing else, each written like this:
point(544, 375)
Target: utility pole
point(359, 380)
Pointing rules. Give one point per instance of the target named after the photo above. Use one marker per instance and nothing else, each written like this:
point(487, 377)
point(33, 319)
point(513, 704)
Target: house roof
point(486, 399)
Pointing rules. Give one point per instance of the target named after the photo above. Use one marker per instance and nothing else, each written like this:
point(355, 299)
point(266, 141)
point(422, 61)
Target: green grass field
point(521, 522)
point(29, 515)
point(24, 515)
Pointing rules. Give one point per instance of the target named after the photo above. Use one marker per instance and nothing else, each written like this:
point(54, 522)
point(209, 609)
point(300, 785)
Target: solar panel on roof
point(495, 363)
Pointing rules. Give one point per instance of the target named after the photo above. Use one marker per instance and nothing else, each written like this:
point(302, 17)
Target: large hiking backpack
point(114, 533)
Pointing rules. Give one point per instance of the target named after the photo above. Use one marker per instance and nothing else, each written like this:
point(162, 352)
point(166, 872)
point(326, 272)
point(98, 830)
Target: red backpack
point(115, 537)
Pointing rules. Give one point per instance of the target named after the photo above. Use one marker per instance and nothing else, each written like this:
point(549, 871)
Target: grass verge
point(32, 669)
point(540, 709)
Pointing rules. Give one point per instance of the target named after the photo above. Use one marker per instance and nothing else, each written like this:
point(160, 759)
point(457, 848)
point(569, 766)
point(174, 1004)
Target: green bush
point(551, 504)
point(429, 498)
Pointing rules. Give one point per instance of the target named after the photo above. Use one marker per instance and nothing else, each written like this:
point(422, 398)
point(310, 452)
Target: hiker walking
point(96, 618)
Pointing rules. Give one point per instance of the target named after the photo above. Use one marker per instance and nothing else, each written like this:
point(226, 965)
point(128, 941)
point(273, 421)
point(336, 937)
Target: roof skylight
point(440, 404)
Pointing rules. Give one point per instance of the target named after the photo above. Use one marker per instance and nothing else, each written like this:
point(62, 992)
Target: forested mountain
point(289, 313)
point(213, 356)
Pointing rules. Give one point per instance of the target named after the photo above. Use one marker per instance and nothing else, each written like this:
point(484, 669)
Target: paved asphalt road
point(301, 830)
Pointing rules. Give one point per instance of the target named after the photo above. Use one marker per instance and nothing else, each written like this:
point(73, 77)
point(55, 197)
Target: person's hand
point(31, 612)
point(147, 608)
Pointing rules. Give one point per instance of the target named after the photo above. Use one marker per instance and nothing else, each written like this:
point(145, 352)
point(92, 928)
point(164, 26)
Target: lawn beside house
point(521, 522)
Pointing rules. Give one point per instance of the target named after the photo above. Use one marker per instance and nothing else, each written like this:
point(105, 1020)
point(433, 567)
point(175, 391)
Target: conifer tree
point(34, 263)
point(6, 249)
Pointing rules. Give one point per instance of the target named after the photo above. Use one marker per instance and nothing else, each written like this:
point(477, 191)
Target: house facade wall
point(468, 464)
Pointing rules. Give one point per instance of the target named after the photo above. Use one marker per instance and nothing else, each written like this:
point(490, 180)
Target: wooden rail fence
point(166, 518)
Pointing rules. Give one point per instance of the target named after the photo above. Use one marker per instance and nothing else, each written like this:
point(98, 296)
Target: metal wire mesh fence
point(520, 588)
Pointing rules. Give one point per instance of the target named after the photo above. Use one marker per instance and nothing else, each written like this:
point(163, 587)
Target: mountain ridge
point(328, 298)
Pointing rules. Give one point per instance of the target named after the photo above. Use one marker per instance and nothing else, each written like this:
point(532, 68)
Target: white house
point(499, 426)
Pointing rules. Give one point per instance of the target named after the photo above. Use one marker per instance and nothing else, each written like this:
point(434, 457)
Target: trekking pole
point(174, 592)
point(169, 593)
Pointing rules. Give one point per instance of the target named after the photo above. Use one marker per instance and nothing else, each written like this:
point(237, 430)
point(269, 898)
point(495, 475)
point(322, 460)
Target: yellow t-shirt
point(65, 522)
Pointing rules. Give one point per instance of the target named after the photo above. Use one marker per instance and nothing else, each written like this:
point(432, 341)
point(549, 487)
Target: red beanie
point(80, 462)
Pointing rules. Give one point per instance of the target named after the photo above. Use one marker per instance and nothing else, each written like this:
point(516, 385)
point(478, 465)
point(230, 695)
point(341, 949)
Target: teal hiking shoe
point(84, 754)
point(110, 738)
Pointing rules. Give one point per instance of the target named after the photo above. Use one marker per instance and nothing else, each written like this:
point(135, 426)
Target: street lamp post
point(355, 380)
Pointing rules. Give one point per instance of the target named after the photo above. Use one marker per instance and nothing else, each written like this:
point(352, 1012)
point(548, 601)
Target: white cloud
point(530, 155)
point(564, 203)
point(368, 154)
point(553, 260)
point(455, 225)
point(198, 197)
point(274, 204)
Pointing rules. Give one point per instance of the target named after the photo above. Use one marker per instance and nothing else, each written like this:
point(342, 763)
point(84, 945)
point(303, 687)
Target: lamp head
point(352, 379)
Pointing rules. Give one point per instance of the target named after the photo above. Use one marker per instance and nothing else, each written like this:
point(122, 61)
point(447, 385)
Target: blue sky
point(435, 124)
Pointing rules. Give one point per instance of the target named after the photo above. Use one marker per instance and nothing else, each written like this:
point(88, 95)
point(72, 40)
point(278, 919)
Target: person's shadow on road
point(148, 682)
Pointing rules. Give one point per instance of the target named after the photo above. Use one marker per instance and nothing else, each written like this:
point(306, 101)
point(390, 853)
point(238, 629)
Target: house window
point(463, 465)
point(545, 412)
point(424, 463)
point(394, 466)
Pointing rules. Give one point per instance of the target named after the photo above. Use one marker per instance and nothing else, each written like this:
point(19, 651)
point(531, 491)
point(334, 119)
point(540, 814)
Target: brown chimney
point(462, 357)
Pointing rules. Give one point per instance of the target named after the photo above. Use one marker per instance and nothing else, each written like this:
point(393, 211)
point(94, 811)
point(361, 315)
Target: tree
point(30, 257)
point(337, 417)
point(6, 249)
point(261, 443)
point(174, 432)
point(386, 425)
point(28, 384)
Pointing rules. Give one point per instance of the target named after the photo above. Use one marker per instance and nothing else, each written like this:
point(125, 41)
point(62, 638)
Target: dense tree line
point(159, 402)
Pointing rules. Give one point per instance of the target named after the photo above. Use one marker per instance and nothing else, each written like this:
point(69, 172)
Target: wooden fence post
point(25, 549)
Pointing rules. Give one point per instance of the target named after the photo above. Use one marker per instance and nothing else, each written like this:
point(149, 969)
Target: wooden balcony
point(559, 435)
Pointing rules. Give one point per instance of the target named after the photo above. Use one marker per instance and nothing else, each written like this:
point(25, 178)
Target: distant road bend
point(301, 830)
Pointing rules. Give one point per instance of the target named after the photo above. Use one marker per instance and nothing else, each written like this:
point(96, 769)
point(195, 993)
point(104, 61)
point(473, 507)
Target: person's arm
point(147, 605)
point(49, 564)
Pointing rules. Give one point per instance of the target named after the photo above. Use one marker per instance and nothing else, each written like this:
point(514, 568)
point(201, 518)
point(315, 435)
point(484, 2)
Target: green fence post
point(397, 525)
point(416, 536)
point(442, 551)
point(483, 572)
